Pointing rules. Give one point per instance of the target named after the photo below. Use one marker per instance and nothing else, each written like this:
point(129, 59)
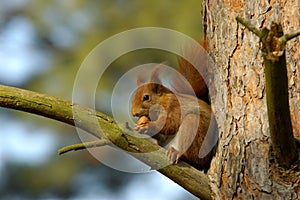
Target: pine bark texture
point(243, 167)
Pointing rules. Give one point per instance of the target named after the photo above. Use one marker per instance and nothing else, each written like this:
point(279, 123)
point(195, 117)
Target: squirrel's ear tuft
point(154, 78)
point(139, 80)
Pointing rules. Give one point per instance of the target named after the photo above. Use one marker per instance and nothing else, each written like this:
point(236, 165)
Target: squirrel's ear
point(139, 80)
point(154, 74)
point(155, 82)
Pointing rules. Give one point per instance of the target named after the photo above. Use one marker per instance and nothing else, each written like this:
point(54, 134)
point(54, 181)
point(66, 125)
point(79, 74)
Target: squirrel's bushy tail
point(193, 67)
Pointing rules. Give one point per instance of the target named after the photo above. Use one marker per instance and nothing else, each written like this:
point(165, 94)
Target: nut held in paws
point(143, 121)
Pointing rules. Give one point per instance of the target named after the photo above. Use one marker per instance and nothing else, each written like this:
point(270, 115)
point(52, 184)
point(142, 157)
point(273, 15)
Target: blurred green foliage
point(87, 23)
point(66, 31)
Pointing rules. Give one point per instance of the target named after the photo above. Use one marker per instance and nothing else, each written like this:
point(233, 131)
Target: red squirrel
point(177, 118)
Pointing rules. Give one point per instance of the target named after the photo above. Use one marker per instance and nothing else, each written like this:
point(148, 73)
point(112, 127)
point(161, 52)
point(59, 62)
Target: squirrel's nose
point(135, 113)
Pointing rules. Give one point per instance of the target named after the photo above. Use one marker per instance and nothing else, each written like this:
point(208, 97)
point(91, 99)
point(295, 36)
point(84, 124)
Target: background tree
point(243, 166)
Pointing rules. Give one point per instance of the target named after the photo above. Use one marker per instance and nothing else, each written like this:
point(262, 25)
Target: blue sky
point(19, 58)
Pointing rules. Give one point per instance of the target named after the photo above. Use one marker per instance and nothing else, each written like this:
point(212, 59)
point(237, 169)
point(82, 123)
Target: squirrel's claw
point(141, 129)
point(173, 155)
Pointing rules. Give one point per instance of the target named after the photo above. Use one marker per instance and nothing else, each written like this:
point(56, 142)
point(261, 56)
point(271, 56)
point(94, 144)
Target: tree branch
point(85, 145)
point(287, 37)
point(273, 51)
point(249, 26)
point(62, 110)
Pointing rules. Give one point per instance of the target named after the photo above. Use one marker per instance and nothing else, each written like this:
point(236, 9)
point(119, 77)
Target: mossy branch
point(89, 120)
point(273, 50)
point(289, 36)
point(85, 145)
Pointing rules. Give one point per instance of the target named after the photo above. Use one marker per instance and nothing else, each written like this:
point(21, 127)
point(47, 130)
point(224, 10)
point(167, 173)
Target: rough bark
point(273, 51)
point(243, 167)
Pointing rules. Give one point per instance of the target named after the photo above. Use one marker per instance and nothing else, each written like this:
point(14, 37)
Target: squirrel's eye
point(146, 97)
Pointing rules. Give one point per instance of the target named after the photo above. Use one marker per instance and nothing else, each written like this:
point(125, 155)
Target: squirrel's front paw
point(142, 125)
point(142, 129)
point(173, 154)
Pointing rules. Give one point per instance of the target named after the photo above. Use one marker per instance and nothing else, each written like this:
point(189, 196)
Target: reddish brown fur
point(175, 115)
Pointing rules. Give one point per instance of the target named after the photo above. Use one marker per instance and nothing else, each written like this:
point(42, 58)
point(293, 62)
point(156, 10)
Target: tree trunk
point(243, 167)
